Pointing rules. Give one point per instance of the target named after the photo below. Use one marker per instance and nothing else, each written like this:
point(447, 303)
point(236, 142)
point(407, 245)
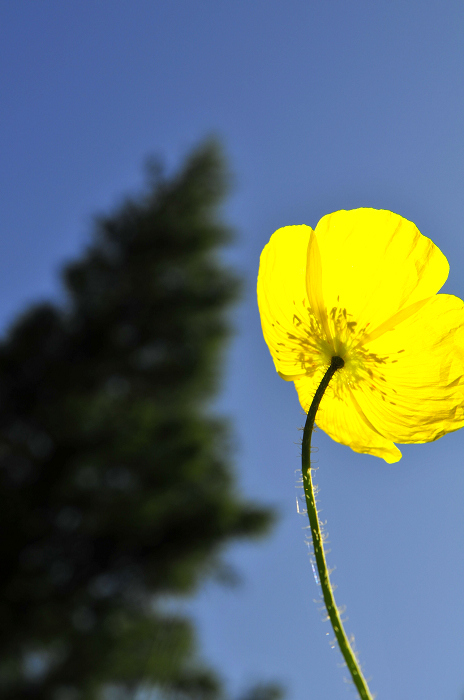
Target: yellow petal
point(341, 418)
point(373, 263)
point(417, 394)
point(285, 315)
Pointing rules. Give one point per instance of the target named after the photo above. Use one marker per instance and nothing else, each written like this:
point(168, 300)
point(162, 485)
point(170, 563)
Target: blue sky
point(321, 106)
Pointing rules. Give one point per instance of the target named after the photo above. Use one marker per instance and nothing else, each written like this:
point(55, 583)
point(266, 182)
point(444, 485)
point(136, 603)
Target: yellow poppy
point(363, 285)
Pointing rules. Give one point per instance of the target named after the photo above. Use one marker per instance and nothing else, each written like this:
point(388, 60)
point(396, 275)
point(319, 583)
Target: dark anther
point(337, 362)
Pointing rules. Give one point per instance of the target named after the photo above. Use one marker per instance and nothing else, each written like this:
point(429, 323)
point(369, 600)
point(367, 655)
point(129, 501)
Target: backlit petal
point(373, 263)
point(282, 301)
point(344, 421)
point(417, 395)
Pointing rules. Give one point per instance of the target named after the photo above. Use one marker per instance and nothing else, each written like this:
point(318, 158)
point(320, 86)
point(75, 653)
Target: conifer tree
point(116, 486)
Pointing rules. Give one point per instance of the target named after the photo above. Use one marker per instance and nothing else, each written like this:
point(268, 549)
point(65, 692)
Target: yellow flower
point(364, 286)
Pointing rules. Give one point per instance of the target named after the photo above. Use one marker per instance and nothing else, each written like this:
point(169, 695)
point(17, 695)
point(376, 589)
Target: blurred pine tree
point(116, 485)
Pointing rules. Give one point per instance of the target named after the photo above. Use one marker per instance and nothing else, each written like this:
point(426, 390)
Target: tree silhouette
point(116, 483)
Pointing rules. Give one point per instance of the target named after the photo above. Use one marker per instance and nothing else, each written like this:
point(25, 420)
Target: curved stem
point(329, 600)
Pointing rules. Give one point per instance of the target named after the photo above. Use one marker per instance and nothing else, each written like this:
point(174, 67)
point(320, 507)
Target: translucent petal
point(341, 418)
point(372, 263)
point(417, 394)
point(285, 315)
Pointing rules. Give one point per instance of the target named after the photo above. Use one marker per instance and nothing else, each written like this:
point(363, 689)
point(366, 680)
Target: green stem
point(327, 593)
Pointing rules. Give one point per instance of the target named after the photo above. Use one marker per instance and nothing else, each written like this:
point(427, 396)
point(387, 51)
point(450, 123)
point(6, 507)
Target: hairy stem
point(319, 554)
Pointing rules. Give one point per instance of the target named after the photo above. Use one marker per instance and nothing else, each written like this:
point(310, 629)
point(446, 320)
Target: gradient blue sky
point(322, 106)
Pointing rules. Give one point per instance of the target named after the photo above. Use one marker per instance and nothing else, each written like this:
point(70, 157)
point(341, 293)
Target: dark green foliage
point(116, 485)
point(268, 691)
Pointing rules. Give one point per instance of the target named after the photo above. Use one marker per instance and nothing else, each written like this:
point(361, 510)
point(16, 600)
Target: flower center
point(316, 346)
